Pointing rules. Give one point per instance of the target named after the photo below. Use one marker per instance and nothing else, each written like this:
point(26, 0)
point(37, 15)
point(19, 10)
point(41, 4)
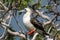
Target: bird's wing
point(36, 24)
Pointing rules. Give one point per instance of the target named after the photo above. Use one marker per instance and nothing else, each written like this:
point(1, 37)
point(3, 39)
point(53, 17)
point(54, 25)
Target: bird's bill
point(23, 11)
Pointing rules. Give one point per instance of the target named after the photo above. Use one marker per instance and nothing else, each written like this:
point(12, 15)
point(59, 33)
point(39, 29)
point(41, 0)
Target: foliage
point(39, 37)
point(10, 37)
point(21, 4)
point(58, 35)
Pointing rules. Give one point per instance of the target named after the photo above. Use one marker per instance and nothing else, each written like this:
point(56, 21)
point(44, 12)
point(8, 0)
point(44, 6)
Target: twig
point(35, 35)
point(50, 21)
point(42, 15)
point(3, 5)
point(16, 34)
point(4, 33)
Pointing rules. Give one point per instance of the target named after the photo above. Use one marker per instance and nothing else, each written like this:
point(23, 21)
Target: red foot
point(30, 32)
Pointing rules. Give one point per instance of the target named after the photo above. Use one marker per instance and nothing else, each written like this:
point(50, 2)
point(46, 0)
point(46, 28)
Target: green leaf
point(3, 1)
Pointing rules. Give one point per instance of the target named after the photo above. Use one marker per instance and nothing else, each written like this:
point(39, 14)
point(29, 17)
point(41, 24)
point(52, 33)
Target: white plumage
point(26, 19)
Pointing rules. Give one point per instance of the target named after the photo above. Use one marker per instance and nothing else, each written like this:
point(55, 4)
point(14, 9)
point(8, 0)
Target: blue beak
point(22, 11)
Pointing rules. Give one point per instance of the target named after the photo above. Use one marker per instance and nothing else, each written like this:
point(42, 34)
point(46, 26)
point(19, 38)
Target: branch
point(49, 30)
point(4, 25)
point(2, 11)
point(50, 21)
point(4, 33)
point(48, 38)
point(5, 8)
point(12, 33)
point(9, 31)
point(35, 35)
point(42, 15)
point(16, 34)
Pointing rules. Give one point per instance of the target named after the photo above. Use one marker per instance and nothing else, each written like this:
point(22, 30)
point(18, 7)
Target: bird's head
point(26, 10)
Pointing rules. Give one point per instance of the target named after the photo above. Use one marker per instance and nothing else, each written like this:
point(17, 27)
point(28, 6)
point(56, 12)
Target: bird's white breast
point(27, 23)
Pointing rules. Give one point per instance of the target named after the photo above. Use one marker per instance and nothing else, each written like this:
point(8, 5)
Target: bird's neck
point(28, 14)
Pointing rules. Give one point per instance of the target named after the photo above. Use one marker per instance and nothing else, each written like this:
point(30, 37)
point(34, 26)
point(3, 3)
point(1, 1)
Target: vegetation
point(21, 4)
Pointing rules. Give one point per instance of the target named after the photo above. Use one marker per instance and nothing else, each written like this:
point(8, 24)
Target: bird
point(31, 23)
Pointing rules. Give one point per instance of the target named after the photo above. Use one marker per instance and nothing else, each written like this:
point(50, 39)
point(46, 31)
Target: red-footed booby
point(32, 23)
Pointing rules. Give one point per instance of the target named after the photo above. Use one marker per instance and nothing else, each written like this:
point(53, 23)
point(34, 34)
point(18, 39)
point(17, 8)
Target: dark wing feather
point(38, 25)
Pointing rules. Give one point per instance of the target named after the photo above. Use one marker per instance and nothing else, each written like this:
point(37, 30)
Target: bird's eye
point(25, 10)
